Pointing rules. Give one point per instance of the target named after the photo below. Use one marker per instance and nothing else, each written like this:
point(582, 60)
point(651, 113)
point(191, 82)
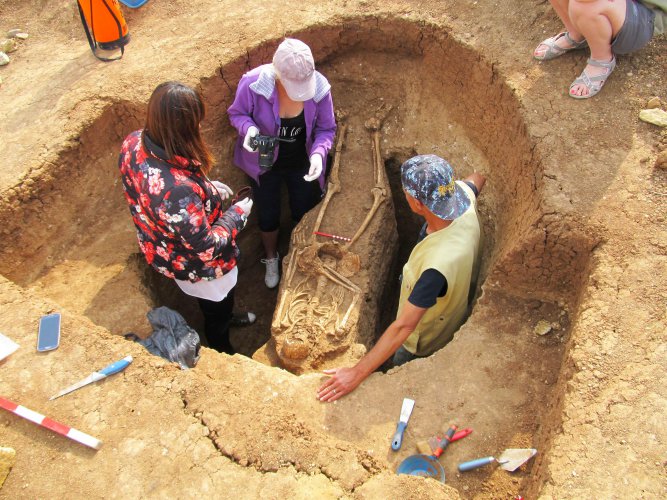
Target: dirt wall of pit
point(565, 179)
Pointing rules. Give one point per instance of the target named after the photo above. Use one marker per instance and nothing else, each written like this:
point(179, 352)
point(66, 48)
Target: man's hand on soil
point(342, 382)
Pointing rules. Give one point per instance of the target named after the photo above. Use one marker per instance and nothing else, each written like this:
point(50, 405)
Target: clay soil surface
point(564, 350)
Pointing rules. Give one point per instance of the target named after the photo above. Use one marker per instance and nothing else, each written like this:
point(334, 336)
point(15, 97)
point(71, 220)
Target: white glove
point(252, 132)
point(224, 190)
point(246, 205)
point(315, 168)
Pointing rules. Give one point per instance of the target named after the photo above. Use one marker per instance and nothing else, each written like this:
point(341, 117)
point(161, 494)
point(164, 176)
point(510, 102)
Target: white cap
point(294, 64)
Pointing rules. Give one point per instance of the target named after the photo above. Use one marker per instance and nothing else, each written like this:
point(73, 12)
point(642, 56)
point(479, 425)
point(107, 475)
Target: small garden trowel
point(510, 460)
point(406, 410)
point(95, 376)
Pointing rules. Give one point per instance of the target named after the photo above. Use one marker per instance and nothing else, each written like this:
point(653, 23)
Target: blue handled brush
point(116, 367)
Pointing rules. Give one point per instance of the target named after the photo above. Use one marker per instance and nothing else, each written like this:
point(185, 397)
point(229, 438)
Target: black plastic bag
point(172, 338)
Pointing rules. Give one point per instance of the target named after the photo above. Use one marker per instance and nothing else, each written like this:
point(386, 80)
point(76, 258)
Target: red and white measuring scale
point(57, 427)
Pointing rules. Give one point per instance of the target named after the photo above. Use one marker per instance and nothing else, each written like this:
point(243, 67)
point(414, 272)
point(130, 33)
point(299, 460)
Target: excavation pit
point(434, 95)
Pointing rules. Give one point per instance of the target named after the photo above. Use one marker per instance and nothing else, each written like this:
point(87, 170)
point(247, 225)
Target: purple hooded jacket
point(256, 104)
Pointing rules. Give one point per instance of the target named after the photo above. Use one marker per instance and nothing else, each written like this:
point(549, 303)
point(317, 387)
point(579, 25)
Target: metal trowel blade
point(513, 458)
point(406, 409)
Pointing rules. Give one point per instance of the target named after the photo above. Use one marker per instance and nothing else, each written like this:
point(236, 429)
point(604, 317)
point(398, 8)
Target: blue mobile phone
point(48, 336)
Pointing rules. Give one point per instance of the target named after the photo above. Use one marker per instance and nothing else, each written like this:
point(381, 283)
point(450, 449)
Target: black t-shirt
point(432, 284)
point(292, 154)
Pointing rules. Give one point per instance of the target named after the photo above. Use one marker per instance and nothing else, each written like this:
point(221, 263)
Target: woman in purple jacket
point(288, 99)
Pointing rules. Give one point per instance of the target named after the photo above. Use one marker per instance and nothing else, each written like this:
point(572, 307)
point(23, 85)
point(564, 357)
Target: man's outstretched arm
point(345, 380)
point(477, 179)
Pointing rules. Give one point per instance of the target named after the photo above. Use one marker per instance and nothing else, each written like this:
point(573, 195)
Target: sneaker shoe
point(272, 276)
point(243, 319)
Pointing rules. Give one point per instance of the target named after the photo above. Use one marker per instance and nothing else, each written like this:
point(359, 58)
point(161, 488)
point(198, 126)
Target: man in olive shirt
point(437, 277)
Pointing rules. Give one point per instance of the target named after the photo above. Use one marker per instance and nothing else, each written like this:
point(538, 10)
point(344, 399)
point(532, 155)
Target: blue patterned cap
point(430, 180)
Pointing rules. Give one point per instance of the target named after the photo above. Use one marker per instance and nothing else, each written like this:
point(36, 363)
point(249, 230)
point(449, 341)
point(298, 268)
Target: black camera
point(266, 144)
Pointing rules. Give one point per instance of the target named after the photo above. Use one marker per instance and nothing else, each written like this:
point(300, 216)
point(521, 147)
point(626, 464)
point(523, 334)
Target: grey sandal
point(593, 83)
point(554, 50)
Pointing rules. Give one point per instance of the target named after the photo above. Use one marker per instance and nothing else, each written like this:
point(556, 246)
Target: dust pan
point(428, 465)
point(133, 4)
point(423, 466)
point(510, 460)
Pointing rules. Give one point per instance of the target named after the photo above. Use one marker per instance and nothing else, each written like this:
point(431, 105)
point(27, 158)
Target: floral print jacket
point(181, 226)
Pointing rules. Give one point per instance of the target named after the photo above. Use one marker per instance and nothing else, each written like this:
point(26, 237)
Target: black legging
point(303, 195)
point(217, 319)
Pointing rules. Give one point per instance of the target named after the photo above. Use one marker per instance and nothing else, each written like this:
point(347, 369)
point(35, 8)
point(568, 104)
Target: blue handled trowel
point(406, 410)
point(95, 376)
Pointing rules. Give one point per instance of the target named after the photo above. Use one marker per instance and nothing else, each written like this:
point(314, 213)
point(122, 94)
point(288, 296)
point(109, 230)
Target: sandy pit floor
point(564, 350)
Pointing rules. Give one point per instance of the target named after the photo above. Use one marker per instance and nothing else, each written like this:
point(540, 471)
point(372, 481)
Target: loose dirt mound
point(575, 244)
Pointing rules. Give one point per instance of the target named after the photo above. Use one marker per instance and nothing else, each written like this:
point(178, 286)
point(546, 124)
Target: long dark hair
point(172, 122)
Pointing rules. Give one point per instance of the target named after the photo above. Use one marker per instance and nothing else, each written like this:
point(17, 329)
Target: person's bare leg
point(270, 242)
point(562, 10)
point(599, 21)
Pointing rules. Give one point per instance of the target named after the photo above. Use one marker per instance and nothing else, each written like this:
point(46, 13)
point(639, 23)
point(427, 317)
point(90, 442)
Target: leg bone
point(334, 180)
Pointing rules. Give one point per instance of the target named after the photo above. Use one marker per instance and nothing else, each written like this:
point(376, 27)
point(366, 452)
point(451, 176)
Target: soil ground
point(574, 225)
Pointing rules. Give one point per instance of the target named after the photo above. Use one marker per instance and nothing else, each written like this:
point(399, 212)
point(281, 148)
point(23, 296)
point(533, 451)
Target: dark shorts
point(637, 29)
point(303, 195)
point(402, 356)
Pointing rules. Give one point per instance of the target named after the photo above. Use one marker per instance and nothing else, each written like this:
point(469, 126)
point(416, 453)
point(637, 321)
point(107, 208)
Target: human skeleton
point(319, 303)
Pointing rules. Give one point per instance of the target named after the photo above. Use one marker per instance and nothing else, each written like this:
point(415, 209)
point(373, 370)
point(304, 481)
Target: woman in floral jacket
point(182, 228)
